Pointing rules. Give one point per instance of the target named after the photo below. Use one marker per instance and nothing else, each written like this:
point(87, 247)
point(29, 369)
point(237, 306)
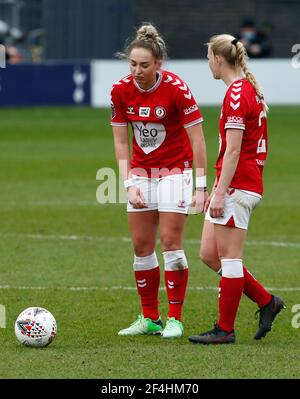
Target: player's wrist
point(201, 183)
point(219, 192)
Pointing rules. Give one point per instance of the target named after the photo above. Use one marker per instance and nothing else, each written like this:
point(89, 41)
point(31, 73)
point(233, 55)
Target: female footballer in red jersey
point(167, 141)
point(237, 190)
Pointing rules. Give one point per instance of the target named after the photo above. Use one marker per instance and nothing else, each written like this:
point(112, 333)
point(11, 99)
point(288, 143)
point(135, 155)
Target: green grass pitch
point(55, 237)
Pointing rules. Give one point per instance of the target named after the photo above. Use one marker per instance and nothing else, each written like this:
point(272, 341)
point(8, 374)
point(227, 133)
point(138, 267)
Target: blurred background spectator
point(40, 30)
point(256, 41)
point(18, 20)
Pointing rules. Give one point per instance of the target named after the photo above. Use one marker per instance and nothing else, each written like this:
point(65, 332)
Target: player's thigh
point(230, 241)
point(143, 228)
point(208, 247)
point(171, 228)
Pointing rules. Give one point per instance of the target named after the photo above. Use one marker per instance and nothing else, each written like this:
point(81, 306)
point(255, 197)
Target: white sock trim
point(145, 262)
point(175, 260)
point(232, 268)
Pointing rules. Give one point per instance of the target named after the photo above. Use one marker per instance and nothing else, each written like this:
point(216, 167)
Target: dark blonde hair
point(235, 54)
point(147, 37)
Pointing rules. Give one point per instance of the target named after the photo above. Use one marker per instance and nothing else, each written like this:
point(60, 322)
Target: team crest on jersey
point(130, 110)
point(160, 112)
point(144, 111)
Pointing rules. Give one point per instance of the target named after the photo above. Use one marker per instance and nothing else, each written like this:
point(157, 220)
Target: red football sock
point(176, 283)
point(147, 283)
point(254, 290)
point(231, 290)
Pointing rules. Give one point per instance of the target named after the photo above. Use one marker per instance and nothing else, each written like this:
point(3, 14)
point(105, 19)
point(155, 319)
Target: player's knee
point(207, 257)
point(141, 252)
point(143, 247)
point(169, 243)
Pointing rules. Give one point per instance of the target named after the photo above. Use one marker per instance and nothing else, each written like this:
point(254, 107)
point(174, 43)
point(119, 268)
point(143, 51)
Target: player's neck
point(148, 86)
point(231, 76)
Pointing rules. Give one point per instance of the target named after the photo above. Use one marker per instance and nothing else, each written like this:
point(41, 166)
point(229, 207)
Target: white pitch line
point(260, 243)
point(115, 288)
point(49, 203)
point(66, 237)
point(74, 237)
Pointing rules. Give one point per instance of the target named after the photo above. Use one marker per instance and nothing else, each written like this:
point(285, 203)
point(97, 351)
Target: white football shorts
point(238, 207)
point(172, 193)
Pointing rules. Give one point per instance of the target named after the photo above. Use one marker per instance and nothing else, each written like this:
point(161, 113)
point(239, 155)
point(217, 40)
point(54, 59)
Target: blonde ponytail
point(235, 54)
point(241, 57)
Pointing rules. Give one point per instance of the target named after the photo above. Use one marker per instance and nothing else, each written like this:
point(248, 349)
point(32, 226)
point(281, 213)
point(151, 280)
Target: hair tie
point(234, 41)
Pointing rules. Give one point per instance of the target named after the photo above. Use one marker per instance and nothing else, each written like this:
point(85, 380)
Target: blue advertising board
point(45, 84)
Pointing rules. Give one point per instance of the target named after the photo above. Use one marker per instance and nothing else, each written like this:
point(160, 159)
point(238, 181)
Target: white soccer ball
point(35, 327)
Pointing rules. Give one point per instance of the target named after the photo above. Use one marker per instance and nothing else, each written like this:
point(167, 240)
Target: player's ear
point(158, 63)
point(218, 59)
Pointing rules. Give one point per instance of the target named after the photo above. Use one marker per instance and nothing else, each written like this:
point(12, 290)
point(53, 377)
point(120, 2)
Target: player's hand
point(136, 198)
point(199, 200)
point(216, 209)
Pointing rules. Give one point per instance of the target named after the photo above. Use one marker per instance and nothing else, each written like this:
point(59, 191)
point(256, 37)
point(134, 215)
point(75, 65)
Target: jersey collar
point(153, 88)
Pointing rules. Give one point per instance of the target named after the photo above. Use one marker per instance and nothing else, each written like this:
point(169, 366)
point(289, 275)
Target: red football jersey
point(242, 109)
point(158, 117)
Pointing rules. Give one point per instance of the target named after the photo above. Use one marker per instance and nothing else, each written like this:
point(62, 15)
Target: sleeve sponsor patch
point(190, 109)
point(235, 119)
point(235, 122)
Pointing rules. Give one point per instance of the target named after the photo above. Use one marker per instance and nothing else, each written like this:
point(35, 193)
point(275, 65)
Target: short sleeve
point(235, 109)
point(118, 114)
point(187, 106)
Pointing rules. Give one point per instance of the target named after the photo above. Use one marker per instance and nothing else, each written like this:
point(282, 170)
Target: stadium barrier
point(45, 84)
point(280, 79)
point(89, 83)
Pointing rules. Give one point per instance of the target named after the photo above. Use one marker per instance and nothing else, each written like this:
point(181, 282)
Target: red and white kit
point(162, 154)
point(158, 117)
point(242, 109)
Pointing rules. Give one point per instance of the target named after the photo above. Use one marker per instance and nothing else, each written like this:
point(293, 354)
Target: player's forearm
point(199, 149)
point(230, 162)
point(122, 151)
point(199, 157)
point(123, 158)
point(215, 184)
